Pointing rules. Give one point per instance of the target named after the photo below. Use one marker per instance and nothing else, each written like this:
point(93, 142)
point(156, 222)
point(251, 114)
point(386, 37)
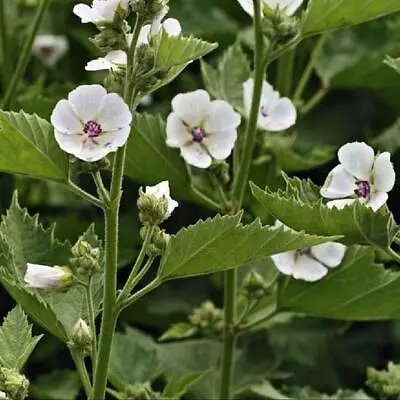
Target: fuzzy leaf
point(16, 340)
point(357, 224)
point(393, 63)
point(325, 15)
point(28, 147)
point(150, 161)
point(178, 386)
point(357, 290)
point(266, 391)
point(181, 330)
point(222, 243)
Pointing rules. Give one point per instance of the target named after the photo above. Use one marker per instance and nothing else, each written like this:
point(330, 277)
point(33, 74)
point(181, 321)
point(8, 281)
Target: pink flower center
point(92, 129)
point(198, 134)
point(363, 189)
point(264, 111)
point(303, 251)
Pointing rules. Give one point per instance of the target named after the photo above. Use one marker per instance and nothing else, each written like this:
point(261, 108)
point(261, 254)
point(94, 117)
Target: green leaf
point(134, 359)
point(222, 243)
point(226, 82)
point(389, 140)
point(178, 386)
point(325, 15)
point(16, 340)
point(60, 385)
point(181, 330)
point(393, 63)
point(357, 290)
point(28, 147)
point(177, 50)
point(357, 224)
point(267, 391)
point(149, 160)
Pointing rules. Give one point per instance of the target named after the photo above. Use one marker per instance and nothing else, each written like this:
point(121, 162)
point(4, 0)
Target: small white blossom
point(49, 49)
point(113, 61)
point(3, 395)
point(45, 277)
point(203, 129)
point(161, 191)
point(101, 11)
point(276, 113)
point(91, 123)
point(360, 176)
point(81, 334)
point(146, 100)
point(288, 6)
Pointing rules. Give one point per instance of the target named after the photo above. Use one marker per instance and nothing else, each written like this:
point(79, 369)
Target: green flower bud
point(110, 39)
point(254, 286)
point(158, 242)
point(114, 81)
point(145, 60)
point(13, 384)
point(139, 391)
point(81, 335)
point(279, 27)
point(149, 9)
point(86, 259)
point(208, 318)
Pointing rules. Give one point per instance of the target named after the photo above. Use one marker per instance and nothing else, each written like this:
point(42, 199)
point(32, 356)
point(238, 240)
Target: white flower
point(288, 6)
point(276, 113)
point(91, 123)
point(113, 61)
point(171, 26)
point(49, 49)
point(45, 277)
point(81, 334)
point(161, 191)
point(203, 129)
point(360, 176)
point(101, 11)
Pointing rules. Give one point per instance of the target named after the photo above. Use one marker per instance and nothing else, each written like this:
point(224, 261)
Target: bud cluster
point(81, 336)
point(13, 384)
point(280, 27)
point(86, 259)
point(254, 286)
point(208, 319)
point(158, 242)
point(139, 391)
point(148, 10)
point(152, 210)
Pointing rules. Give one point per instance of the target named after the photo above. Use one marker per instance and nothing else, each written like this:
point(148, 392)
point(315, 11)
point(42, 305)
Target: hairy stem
point(84, 195)
point(101, 190)
point(92, 319)
point(77, 356)
point(25, 56)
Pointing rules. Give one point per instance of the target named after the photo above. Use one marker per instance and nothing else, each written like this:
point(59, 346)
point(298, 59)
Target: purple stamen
point(198, 134)
point(363, 189)
point(92, 129)
point(264, 111)
point(303, 251)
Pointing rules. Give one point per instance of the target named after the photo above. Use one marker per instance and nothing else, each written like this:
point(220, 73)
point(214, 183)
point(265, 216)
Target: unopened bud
point(139, 391)
point(145, 60)
point(277, 25)
point(148, 10)
point(86, 259)
point(208, 318)
point(159, 241)
point(110, 39)
point(13, 384)
point(46, 277)
point(81, 334)
point(254, 285)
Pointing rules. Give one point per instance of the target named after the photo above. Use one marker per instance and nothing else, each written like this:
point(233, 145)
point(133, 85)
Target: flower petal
point(221, 117)
point(84, 12)
point(330, 254)
point(160, 190)
point(377, 200)
point(383, 172)
point(111, 140)
point(285, 262)
point(194, 154)
point(64, 118)
point(99, 64)
point(289, 6)
point(247, 6)
point(143, 36)
point(172, 27)
point(220, 144)
point(248, 88)
point(43, 276)
point(340, 204)
point(114, 113)
point(339, 183)
point(281, 116)
point(358, 159)
point(86, 100)
point(192, 107)
point(177, 133)
point(308, 269)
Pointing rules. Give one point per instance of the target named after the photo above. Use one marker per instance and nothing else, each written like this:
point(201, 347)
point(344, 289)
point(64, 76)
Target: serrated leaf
point(60, 385)
point(388, 140)
point(181, 330)
point(357, 224)
point(16, 340)
point(226, 82)
point(177, 50)
point(357, 290)
point(325, 15)
point(149, 160)
point(178, 386)
point(134, 359)
point(393, 63)
point(28, 147)
point(221, 243)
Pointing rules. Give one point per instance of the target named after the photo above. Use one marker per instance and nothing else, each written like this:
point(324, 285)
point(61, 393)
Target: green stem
point(84, 195)
point(25, 56)
point(92, 321)
point(111, 214)
point(307, 73)
point(143, 272)
point(138, 263)
point(5, 55)
point(220, 190)
point(284, 81)
point(101, 190)
point(314, 101)
point(77, 356)
point(256, 322)
point(393, 254)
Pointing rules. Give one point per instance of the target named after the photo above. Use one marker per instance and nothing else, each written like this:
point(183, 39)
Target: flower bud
point(81, 334)
point(86, 259)
point(145, 59)
point(155, 204)
point(13, 384)
point(207, 318)
point(158, 242)
point(278, 26)
point(110, 39)
point(149, 9)
point(45, 277)
point(139, 391)
point(254, 285)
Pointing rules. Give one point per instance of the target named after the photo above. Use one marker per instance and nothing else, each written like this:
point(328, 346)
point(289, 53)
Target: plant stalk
point(25, 56)
point(92, 321)
point(77, 356)
point(4, 48)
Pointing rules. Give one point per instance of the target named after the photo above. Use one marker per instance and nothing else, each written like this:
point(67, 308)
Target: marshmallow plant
point(221, 145)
